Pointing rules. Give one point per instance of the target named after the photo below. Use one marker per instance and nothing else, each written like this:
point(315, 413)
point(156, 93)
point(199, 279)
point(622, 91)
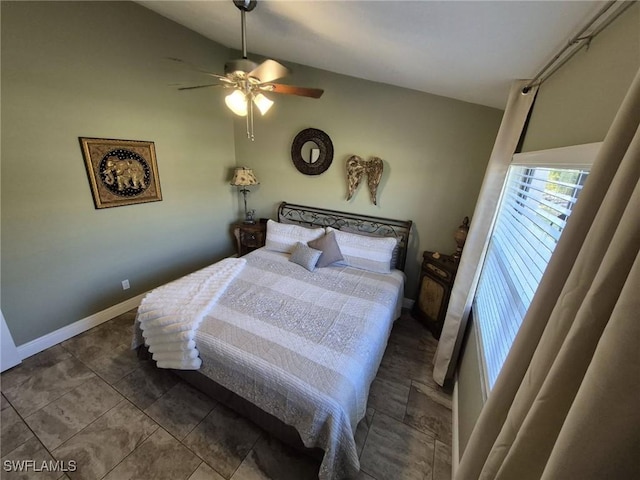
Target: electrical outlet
point(125, 284)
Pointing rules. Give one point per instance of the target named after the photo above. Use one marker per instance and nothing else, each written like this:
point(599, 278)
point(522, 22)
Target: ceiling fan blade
point(269, 70)
point(201, 86)
point(195, 67)
point(292, 90)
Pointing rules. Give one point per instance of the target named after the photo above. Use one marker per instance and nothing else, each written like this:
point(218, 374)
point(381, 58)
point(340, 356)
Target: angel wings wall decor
point(357, 168)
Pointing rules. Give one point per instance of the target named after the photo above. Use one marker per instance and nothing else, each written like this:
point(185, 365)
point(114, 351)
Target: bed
point(296, 349)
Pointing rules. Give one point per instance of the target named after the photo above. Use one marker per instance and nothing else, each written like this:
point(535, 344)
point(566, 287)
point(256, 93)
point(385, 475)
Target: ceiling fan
point(249, 81)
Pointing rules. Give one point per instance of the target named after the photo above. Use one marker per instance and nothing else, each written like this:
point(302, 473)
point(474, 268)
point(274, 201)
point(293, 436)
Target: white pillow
point(365, 252)
point(396, 250)
point(282, 237)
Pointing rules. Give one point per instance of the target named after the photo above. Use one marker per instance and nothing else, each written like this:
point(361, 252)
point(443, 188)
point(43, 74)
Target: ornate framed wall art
point(121, 172)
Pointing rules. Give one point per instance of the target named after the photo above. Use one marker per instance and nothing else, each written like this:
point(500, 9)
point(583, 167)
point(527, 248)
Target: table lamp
point(244, 177)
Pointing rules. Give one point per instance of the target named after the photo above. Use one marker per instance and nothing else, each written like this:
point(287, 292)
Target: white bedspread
point(169, 315)
point(303, 346)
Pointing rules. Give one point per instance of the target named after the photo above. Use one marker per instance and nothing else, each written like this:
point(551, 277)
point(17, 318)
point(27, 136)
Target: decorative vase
point(460, 237)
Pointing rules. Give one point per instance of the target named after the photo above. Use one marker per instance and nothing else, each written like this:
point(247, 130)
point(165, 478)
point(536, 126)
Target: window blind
point(536, 202)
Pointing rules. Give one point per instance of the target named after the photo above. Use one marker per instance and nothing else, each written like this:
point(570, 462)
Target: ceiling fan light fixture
point(248, 79)
point(237, 103)
point(263, 103)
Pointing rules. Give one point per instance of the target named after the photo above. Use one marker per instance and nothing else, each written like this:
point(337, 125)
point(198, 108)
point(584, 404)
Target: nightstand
point(249, 236)
point(436, 280)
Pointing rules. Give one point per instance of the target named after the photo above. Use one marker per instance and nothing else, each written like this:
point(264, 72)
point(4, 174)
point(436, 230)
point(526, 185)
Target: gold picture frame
point(121, 172)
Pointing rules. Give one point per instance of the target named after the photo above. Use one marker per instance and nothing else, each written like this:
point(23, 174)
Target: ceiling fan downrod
point(243, 19)
point(244, 6)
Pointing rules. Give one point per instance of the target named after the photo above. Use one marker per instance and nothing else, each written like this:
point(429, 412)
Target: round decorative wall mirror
point(312, 151)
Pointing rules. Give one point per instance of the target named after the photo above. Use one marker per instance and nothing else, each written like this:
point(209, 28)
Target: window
point(539, 194)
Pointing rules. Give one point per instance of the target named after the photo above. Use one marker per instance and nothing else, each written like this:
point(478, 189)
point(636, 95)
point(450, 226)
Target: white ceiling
point(469, 50)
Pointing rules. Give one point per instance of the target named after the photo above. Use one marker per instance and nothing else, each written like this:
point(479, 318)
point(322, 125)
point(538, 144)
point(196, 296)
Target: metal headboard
point(352, 222)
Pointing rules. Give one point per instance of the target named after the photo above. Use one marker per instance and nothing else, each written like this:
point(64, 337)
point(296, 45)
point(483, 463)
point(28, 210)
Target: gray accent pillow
point(305, 256)
point(330, 250)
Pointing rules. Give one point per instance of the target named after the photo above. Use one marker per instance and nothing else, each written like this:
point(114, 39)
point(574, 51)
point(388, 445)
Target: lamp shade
point(243, 177)
point(237, 103)
point(263, 103)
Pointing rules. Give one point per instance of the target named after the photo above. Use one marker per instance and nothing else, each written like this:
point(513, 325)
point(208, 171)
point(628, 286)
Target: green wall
point(574, 106)
point(578, 103)
point(96, 69)
point(435, 151)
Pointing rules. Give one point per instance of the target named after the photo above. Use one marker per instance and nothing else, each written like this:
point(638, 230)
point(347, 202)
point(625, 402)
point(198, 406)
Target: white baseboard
point(65, 333)
point(407, 303)
point(455, 440)
point(49, 340)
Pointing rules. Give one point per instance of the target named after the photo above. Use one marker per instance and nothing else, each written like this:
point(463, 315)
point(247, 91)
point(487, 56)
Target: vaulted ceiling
point(468, 50)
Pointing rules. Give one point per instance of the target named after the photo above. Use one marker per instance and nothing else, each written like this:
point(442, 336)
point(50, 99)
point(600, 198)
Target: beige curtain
point(513, 121)
point(567, 402)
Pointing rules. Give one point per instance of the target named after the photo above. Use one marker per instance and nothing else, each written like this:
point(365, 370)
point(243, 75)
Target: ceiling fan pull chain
point(251, 117)
point(247, 121)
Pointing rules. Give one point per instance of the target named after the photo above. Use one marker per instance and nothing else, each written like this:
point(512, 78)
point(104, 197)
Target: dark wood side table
point(249, 236)
point(436, 280)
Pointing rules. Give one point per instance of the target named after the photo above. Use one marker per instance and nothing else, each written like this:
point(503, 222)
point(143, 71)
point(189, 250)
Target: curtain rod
point(577, 42)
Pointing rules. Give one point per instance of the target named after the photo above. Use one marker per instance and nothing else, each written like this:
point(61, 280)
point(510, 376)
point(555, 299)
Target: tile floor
point(90, 400)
